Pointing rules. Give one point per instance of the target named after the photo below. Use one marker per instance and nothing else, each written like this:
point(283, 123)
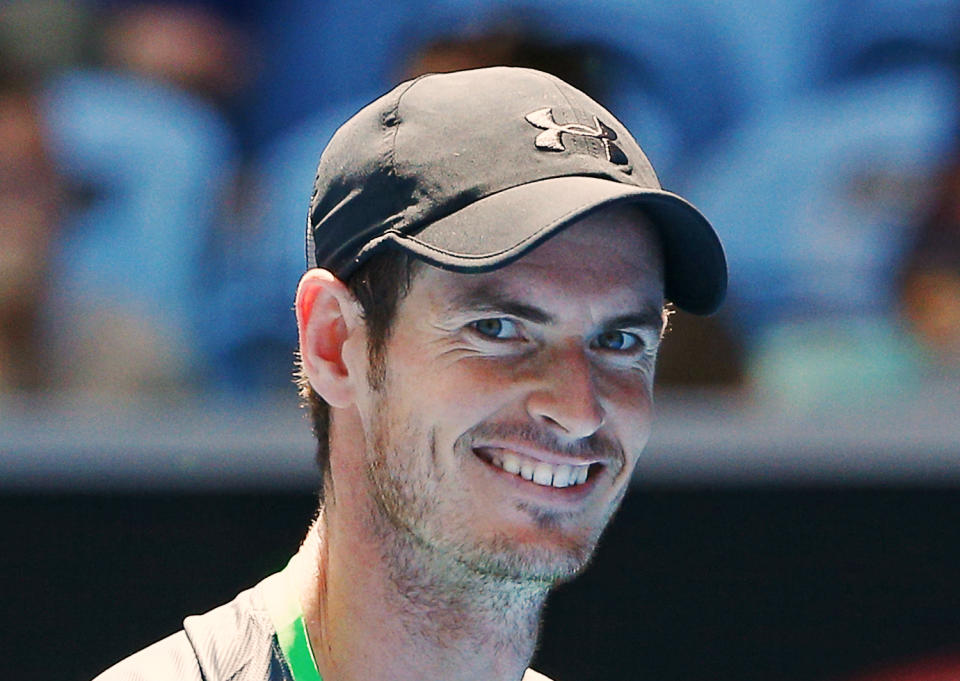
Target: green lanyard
point(284, 608)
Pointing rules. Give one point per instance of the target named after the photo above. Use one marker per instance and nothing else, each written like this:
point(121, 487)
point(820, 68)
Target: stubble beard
point(450, 584)
point(415, 516)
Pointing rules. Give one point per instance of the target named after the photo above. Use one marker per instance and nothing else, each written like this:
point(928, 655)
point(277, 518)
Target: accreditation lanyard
point(284, 607)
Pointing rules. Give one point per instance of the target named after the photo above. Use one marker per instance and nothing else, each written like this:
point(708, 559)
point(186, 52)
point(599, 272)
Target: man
point(490, 253)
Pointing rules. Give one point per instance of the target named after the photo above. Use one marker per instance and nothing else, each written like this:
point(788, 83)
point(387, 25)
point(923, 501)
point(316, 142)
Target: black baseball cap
point(470, 170)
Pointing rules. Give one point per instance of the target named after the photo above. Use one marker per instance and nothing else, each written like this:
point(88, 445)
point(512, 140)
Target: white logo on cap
point(551, 141)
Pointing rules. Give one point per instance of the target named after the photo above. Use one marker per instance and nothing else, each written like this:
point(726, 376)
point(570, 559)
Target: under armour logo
point(551, 141)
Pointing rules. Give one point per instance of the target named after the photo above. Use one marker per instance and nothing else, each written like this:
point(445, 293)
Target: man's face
point(515, 403)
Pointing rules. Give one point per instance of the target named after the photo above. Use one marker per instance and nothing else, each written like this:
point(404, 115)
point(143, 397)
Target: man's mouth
point(537, 472)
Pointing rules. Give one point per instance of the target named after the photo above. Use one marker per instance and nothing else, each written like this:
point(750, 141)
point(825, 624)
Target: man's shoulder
point(165, 660)
point(234, 641)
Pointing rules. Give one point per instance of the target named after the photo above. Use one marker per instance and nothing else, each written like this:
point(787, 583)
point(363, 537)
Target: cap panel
point(357, 194)
point(467, 135)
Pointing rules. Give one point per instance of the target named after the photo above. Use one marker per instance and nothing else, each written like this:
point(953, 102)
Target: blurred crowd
point(156, 159)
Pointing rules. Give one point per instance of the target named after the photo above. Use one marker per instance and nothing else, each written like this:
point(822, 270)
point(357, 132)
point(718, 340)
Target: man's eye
point(617, 340)
point(496, 327)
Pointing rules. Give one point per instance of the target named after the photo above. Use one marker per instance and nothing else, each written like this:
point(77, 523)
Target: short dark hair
point(379, 285)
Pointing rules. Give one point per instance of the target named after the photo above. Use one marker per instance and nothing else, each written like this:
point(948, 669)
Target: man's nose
point(565, 397)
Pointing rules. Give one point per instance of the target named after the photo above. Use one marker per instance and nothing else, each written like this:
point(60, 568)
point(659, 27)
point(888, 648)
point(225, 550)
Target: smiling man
point(490, 254)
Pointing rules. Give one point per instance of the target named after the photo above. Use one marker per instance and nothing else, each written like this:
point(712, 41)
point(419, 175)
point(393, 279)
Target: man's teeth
point(542, 473)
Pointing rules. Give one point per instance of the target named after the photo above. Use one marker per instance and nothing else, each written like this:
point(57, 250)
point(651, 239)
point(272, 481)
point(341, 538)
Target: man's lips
point(547, 469)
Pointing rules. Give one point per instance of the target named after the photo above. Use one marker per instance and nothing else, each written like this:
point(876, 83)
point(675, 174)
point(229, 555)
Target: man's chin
point(548, 565)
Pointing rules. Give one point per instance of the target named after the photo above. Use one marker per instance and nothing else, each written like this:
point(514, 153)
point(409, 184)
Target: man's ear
point(327, 317)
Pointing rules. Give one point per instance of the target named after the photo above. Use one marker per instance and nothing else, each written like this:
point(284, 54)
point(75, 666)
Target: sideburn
point(377, 363)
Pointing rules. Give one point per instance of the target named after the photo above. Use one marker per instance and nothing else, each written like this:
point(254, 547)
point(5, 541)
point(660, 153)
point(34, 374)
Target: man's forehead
point(612, 263)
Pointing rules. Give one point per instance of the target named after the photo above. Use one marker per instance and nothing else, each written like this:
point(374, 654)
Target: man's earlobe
point(327, 317)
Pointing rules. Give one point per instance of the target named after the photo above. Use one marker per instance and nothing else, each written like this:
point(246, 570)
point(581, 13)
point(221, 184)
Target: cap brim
point(516, 220)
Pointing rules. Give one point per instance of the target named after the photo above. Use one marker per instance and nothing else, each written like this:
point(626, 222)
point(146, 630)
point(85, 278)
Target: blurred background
point(797, 515)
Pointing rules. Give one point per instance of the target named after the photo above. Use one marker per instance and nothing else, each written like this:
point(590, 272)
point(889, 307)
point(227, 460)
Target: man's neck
point(379, 606)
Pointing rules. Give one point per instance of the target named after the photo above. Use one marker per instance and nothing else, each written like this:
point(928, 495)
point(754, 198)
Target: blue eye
point(617, 340)
point(497, 328)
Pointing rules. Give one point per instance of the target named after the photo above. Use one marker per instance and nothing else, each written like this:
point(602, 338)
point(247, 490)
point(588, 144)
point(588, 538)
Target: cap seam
point(409, 237)
point(395, 110)
point(405, 230)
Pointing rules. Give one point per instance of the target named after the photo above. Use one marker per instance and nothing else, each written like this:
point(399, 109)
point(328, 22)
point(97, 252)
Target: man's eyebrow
point(649, 317)
point(488, 299)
